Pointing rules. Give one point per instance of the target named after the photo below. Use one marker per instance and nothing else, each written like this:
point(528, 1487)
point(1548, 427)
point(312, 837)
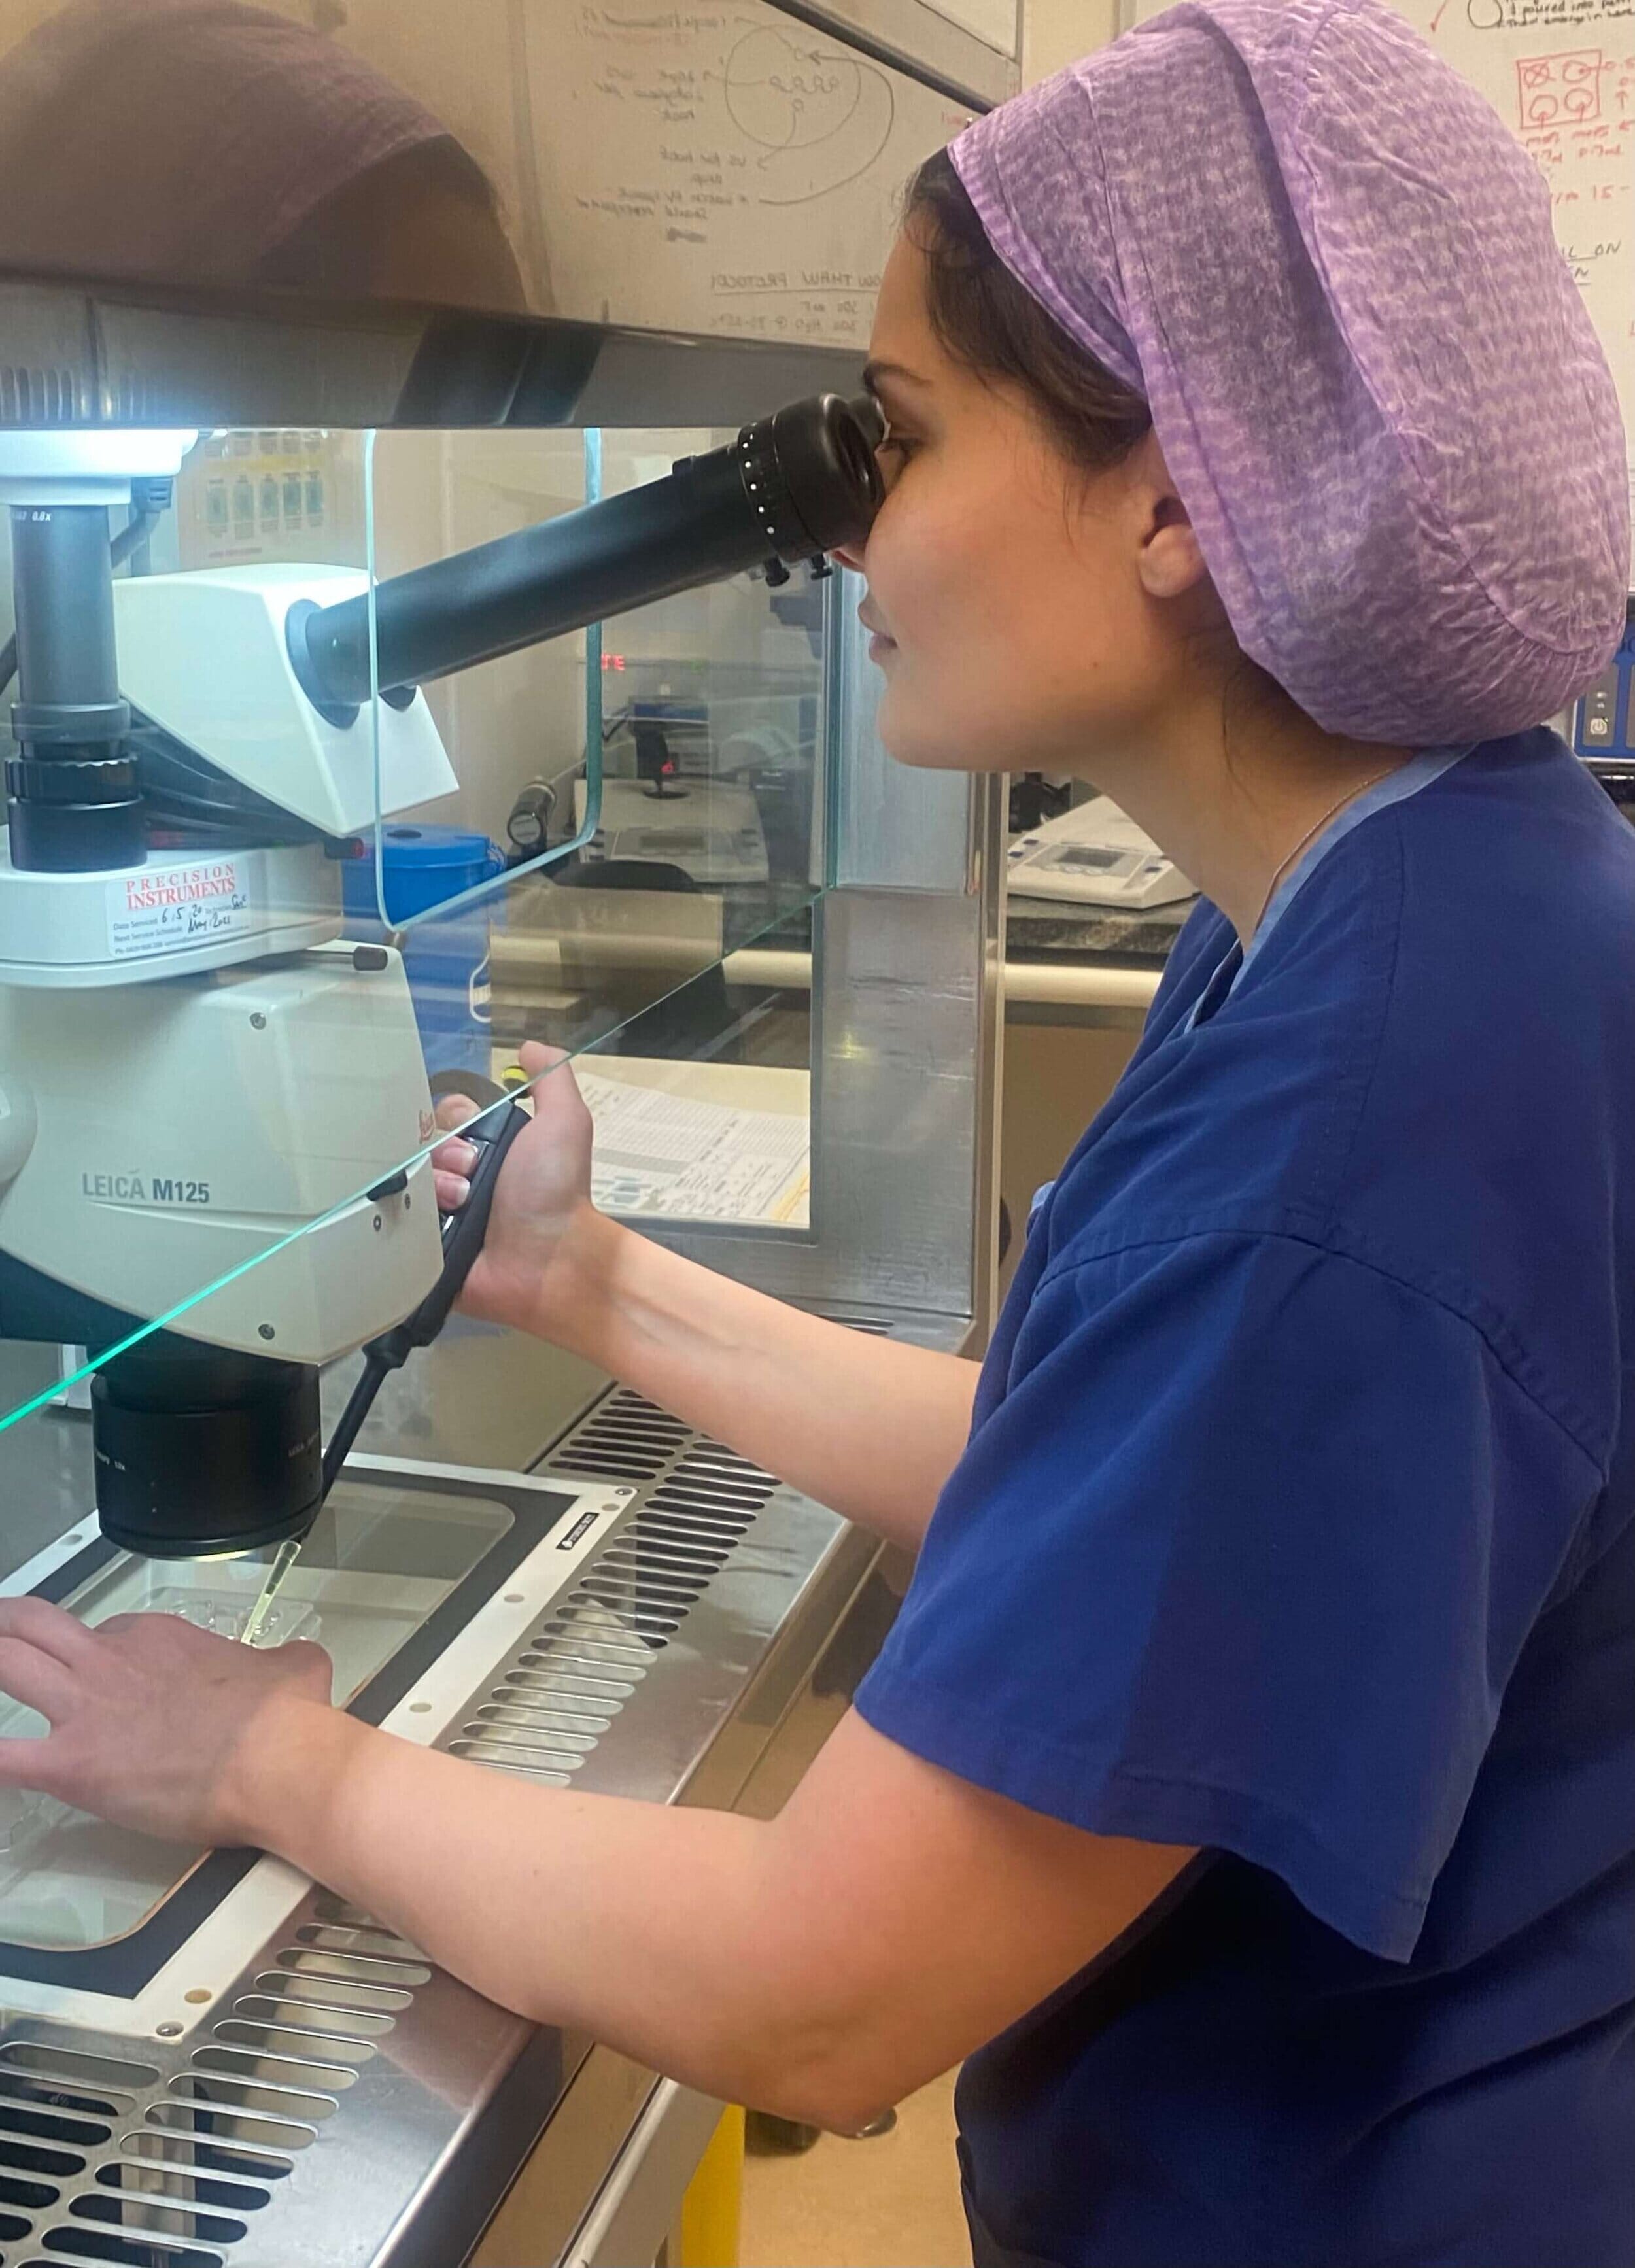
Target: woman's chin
point(925, 741)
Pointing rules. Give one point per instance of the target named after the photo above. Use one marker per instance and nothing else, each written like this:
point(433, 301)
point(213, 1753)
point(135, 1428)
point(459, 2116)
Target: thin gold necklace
point(1315, 829)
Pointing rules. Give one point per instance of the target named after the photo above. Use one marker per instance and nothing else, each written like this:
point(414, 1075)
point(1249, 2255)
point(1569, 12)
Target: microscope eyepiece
point(810, 471)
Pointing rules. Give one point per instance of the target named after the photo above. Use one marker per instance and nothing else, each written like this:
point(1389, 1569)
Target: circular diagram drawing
point(816, 117)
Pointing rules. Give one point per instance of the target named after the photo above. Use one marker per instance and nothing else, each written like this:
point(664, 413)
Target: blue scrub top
point(1295, 1524)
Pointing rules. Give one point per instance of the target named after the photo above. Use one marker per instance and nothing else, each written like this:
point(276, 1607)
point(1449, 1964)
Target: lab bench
point(319, 2092)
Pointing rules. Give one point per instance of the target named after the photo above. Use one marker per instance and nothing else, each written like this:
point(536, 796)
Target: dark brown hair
point(986, 319)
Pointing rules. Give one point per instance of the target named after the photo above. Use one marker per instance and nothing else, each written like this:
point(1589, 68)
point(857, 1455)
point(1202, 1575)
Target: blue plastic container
point(422, 867)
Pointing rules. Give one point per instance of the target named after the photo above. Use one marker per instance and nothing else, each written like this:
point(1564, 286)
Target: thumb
point(536, 1059)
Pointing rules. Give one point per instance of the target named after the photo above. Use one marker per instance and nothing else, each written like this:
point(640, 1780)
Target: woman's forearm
point(868, 1427)
point(644, 1925)
point(820, 1965)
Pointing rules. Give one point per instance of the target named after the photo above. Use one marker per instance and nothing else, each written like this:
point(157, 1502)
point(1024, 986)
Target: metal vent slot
point(519, 1755)
point(660, 1549)
point(155, 2154)
point(77, 2070)
point(332, 1992)
point(726, 1492)
point(184, 2188)
point(715, 1456)
point(716, 1492)
point(86, 2244)
point(157, 2160)
point(580, 1732)
point(331, 1909)
point(15, 2090)
point(568, 1689)
point(216, 2090)
point(33, 2158)
point(164, 2219)
point(374, 1943)
point(352, 1968)
point(310, 2019)
point(223, 2124)
point(598, 1652)
point(278, 2071)
point(30, 2195)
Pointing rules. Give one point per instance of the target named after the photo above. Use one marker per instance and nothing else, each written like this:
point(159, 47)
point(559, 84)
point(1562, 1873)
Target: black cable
point(358, 1404)
point(132, 537)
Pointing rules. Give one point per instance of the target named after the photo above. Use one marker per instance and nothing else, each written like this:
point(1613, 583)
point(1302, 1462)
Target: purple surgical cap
point(1329, 268)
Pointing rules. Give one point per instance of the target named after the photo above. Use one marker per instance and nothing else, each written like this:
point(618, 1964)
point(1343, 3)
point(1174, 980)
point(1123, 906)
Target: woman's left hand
point(150, 1719)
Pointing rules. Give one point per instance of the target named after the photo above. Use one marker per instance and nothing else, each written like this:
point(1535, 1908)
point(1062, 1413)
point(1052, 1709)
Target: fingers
point(50, 1630)
point(29, 1764)
point(452, 1110)
point(35, 1679)
point(452, 1189)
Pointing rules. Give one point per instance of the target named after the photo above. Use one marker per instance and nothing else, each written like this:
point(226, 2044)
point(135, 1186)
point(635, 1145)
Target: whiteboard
point(720, 168)
point(1561, 74)
point(715, 165)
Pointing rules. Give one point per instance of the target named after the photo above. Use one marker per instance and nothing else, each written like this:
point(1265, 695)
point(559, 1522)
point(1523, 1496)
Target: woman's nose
point(847, 554)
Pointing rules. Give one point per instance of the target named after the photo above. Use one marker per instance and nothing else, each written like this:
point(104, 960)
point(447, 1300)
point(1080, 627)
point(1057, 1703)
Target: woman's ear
point(1169, 557)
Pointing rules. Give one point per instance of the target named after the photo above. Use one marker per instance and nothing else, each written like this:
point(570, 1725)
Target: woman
point(1247, 1786)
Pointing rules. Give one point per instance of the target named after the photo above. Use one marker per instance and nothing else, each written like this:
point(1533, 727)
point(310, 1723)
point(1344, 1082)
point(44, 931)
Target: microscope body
point(214, 1113)
point(213, 1110)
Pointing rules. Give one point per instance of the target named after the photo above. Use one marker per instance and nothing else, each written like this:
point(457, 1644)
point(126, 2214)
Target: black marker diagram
point(815, 117)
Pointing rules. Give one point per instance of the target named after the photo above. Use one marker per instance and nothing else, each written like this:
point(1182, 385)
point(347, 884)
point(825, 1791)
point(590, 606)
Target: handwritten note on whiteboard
point(721, 169)
point(1561, 74)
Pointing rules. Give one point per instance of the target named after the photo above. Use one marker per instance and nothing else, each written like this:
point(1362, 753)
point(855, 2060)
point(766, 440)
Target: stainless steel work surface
point(321, 2093)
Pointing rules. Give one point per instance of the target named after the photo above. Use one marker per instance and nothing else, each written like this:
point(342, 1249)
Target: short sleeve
point(1243, 1557)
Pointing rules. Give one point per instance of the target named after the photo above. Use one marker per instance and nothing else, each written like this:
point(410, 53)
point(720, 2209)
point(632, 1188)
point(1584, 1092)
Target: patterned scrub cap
point(1328, 268)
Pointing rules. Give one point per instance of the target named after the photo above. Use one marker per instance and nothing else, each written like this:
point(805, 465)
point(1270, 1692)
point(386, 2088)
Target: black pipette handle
point(490, 1136)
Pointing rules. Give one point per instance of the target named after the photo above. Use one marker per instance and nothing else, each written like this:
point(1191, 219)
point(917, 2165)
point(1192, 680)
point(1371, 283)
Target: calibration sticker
point(170, 907)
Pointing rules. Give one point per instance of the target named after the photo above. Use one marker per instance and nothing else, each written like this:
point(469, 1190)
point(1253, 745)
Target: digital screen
point(1088, 857)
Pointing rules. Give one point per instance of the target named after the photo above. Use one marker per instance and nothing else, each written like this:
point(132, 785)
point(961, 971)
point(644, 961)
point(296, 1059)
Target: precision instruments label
point(164, 907)
point(580, 1528)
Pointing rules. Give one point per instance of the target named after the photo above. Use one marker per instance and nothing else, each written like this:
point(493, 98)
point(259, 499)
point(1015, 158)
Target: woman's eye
point(895, 450)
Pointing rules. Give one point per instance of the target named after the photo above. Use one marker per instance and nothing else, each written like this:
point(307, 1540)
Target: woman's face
point(1018, 604)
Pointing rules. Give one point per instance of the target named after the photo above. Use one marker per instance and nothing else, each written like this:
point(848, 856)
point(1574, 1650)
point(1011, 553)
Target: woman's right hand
point(543, 1227)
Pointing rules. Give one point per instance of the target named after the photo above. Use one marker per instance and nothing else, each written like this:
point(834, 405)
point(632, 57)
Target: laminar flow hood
point(372, 212)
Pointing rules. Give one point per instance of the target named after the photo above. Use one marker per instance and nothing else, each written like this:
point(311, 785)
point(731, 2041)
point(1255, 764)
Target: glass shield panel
point(624, 869)
point(223, 1049)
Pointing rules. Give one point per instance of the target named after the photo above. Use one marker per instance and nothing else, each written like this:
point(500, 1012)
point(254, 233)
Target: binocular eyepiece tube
point(791, 487)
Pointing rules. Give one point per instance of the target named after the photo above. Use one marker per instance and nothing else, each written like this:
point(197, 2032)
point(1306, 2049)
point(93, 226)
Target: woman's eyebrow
point(875, 374)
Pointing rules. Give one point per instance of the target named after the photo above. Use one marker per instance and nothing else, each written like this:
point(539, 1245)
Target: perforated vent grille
point(593, 1649)
point(105, 2161)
